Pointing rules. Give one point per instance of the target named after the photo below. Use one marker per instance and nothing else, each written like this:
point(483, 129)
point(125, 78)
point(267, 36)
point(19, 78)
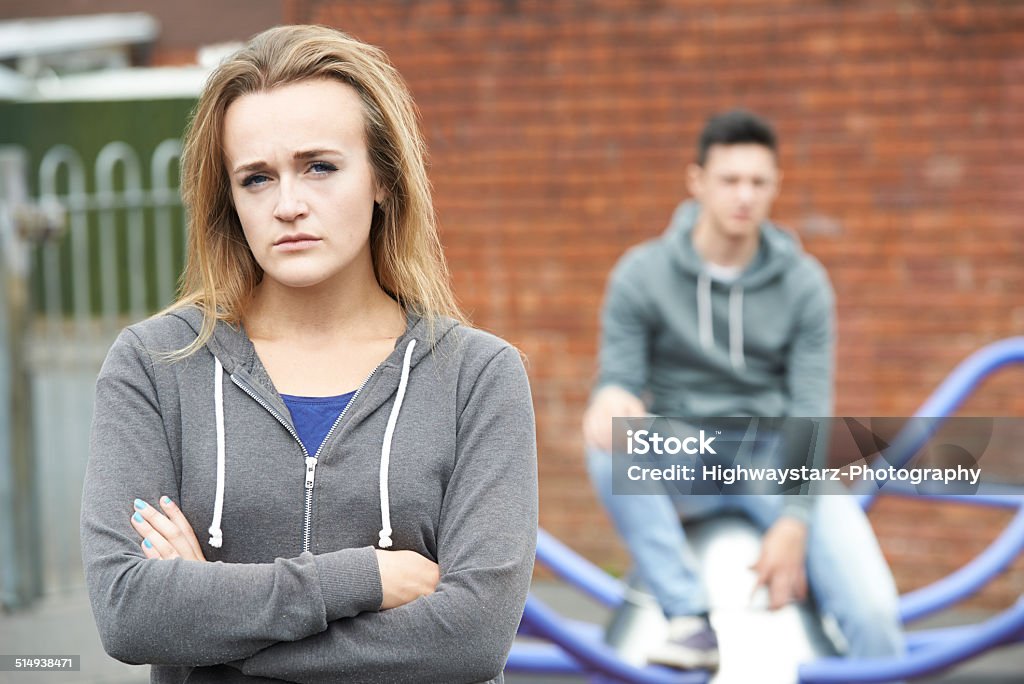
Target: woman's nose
point(289, 205)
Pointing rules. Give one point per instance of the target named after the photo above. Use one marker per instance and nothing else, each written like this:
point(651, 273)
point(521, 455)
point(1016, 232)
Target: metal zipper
point(273, 412)
point(311, 461)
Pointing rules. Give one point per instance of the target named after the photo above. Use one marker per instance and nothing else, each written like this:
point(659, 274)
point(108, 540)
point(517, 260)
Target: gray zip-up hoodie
point(695, 347)
point(436, 454)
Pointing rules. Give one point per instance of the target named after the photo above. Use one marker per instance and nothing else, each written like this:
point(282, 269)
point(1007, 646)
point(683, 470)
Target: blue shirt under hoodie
point(314, 417)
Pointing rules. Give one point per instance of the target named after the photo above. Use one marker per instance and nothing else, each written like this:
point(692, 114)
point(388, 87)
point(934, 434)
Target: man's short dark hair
point(735, 127)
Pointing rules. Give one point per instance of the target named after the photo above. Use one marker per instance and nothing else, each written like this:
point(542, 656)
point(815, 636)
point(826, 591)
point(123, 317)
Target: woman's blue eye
point(322, 167)
point(255, 179)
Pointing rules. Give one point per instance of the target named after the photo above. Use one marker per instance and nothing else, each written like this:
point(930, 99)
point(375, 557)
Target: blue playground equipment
point(578, 648)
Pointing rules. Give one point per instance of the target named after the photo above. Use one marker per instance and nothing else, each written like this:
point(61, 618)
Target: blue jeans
point(846, 572)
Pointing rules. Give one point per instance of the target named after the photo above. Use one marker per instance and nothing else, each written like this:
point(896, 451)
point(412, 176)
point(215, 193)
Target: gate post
point(20, 561)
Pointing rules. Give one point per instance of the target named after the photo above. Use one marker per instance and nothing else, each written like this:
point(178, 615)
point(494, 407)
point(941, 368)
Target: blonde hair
point(220, 271)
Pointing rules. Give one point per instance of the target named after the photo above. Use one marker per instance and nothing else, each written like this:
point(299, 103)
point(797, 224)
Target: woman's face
point(301, 181)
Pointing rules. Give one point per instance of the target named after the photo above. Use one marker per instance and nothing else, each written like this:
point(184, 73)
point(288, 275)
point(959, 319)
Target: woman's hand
point(405, 576)
point(165, 535)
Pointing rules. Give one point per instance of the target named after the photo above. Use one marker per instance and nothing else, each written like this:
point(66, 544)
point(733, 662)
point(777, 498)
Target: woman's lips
point(297, 243)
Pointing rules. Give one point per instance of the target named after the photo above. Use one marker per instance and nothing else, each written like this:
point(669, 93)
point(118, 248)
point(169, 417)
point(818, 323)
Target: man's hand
point(165, 535)
point(405, 576)
point(610, 402)
point(780, 567)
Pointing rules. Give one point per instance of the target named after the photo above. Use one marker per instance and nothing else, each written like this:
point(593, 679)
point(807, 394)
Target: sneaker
point(691, 644)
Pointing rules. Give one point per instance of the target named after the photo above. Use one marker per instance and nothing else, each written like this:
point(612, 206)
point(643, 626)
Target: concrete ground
point(64, 626)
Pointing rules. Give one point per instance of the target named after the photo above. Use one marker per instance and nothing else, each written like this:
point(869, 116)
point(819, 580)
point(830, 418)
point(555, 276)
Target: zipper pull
point(310, 471)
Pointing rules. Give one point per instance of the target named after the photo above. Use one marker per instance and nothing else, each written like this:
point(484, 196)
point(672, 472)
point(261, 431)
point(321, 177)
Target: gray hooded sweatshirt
point(761, 346)
point(436, 453)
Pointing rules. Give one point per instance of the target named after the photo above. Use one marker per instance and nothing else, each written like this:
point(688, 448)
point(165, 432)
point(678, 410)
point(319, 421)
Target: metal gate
point(98, 251)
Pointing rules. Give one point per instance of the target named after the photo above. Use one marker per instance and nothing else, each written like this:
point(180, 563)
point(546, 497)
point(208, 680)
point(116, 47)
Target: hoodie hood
point(235, 355)
point(236, 352)
point(777, 252)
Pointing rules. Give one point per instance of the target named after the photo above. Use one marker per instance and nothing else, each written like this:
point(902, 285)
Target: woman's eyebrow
point(251, 166)
point(317, 152)
point(301, 155)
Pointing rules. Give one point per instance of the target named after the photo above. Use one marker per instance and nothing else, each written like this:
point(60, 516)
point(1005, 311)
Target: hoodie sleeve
point(486, 545)
point(810, 369)
point(146, 610)
point(625, 327)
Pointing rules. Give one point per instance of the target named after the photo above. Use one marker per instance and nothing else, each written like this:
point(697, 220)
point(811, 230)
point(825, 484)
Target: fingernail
point(148, 544)
point(137, 518)
point(166, 500)
point(140, 504)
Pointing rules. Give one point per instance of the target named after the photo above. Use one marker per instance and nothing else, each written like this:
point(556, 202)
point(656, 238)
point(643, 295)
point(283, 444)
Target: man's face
point(736, 188)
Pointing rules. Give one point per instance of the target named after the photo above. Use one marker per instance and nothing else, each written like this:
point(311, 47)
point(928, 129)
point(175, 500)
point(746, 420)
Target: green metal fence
point(109, 170)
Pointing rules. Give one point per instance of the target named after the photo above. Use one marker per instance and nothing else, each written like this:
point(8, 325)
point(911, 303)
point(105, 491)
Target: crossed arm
point(404, 575)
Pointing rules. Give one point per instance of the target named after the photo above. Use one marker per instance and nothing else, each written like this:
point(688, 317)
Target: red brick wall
point(559, 135)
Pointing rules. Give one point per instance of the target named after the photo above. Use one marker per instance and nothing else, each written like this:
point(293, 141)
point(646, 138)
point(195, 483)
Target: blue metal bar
point(965, 378)
point(947, 398)
point(546, 658)
point(922, 661)
point(541, 658)
point(578, 571)
point(926, 638)
point(589, 651)
point(995, 496)
point(970, 578)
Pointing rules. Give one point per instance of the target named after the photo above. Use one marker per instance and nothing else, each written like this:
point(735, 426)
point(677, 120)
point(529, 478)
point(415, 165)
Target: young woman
point(360, 466)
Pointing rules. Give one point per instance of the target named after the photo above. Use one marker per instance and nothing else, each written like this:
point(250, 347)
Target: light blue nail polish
point(137, 518)
point(140, 504)
point(148, 544)
point(167, 499)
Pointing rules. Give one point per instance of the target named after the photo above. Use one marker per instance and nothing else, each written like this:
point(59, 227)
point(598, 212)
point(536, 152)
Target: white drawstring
point(739, 362)
point(217, 538)
point(705, 325)
point(385, 451)
point(707, 338)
